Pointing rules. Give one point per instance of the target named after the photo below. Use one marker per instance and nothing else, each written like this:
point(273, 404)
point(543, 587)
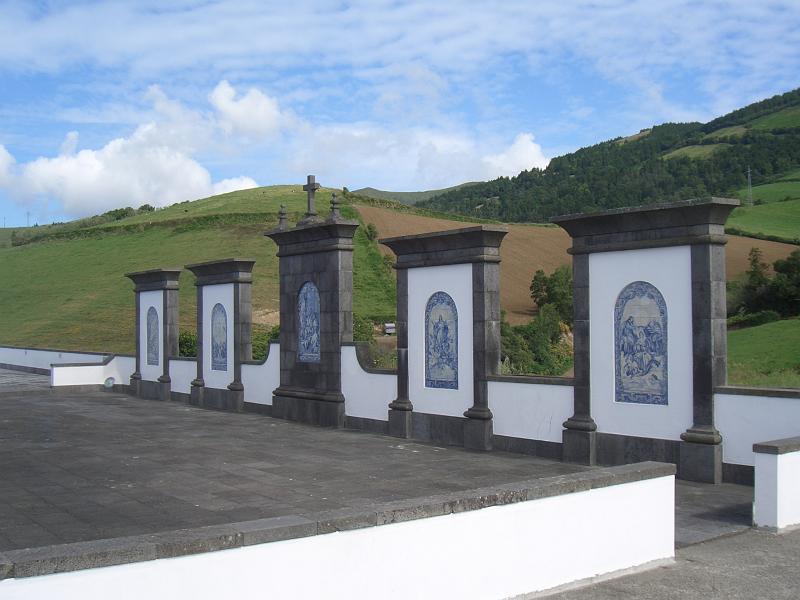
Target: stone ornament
point(441, 342)
point(219, 338)
point(640, 340)
point(308, 320)
point(152, 336)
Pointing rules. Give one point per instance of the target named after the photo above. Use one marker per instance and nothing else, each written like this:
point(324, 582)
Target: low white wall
point(543, 544)
point(181, 373)
point(776, 498)
point(745, 420)
point(530, 410)
point(119, 368)
point(366, 395)
point(260, 381)
point(42, 359)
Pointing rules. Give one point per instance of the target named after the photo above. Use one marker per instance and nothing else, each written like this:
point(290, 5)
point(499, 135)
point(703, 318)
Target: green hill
point(668, 162)
point(408, 198)
point(767, 355)
point(65, 287)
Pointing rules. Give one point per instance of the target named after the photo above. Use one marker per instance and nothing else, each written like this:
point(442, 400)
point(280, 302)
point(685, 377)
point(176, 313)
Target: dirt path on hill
point(527, 248)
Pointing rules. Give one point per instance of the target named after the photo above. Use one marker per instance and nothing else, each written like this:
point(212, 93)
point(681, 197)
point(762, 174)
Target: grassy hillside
point(667, 162)
point(5, 237)
point(68, 290)
point(407, 198)
point(767, 355)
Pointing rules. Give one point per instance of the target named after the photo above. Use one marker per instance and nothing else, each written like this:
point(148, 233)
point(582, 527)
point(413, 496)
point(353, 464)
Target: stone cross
point(311, 187)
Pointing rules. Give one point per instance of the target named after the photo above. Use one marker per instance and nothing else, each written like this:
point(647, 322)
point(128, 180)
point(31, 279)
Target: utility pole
point(27, 218)
point(749, 188)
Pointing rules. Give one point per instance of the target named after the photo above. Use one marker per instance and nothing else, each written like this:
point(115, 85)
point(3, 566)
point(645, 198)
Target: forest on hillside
point(637, 170)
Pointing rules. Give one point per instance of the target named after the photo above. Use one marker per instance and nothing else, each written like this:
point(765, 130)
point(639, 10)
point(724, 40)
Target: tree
point(756, 279)
point(555, 289)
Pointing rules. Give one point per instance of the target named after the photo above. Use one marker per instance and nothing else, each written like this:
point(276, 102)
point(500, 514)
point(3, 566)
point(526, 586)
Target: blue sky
point(108, 104)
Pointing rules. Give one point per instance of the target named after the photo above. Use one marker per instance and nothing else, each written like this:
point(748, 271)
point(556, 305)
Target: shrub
point(752, 319)
point(363, 329)
point(187, 344)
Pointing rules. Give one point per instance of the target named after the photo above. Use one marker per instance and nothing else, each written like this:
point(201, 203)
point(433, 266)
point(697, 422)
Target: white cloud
point(154, 165)
point(253, 115)
point(523, 154)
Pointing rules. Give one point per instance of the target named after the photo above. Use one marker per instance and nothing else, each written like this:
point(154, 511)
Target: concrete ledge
point(540, 448)
point(532, 379)
point(62, 558)
point(783, 446)
point(758, 391)
point(738, 474)
point(365, 424)
point(36, 370)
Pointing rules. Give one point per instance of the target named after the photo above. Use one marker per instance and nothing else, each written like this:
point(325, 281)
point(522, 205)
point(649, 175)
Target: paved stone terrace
point(94, 465)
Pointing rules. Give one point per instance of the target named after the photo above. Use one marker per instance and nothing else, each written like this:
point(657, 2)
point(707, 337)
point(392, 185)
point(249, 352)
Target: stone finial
point(282, 224)
point(335, 214)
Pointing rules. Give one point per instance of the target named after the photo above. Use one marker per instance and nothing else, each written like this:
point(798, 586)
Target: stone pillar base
point(700, 462)
point(196, 395)
point(322, 410)
point(400, 423)
point(478, 434)
point(579, 447)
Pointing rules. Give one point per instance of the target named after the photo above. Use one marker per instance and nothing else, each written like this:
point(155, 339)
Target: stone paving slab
point(101, 465)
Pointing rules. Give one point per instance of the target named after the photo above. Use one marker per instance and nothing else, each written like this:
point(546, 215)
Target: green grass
point(773, 192)
point(791, 176)
point(5, 237)
point(698, 152)
point(71, 293)
point(778, 219)
point(767, 355)
point(407, 198)
point(786, 118)
point(734, 130)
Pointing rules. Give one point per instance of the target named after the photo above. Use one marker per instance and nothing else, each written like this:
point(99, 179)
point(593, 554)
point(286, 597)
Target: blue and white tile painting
point(152, 336)
point(308, 323)
point(640, 340)
point(219, 338)
point(441, 342)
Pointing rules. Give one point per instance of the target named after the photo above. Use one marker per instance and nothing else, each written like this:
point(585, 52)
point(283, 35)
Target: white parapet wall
point(114, 370)
point(501, 551)
point(527, 410)
point(181, 373)
point(747, 416)
point(260, 379)
point(367, 395)
point(41, 358)
point(776, 499)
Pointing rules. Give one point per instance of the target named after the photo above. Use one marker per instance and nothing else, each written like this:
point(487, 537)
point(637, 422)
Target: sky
point(111, 104)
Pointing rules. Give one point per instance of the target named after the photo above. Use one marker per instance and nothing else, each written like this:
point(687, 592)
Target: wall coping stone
point(533, 379)
point(314, 237)
point(155, 279)
point(696, 221)
point(226, 270)
point(784, 446)
point(453, 246)
point(758, 391)
point(32, 562)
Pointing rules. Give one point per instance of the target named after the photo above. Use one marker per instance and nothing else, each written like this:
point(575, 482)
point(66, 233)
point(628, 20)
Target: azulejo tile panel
point(441, 342)
point(152, 336)
point(219, 338)
point(308, 320)
point(640, 340)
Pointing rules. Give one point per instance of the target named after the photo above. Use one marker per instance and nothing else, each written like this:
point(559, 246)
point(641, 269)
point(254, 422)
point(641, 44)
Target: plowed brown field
point(527, 248)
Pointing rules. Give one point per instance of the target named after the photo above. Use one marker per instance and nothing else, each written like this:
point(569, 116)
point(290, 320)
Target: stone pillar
point(480, 248)
point(159, 288)
point(224, 324)
point(700, 226)
point(316, 309)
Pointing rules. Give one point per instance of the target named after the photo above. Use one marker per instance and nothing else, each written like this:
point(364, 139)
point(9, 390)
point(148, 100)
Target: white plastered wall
point(260, 381)
point(746, 420)
point(423, 282)
point(118, 368)
point(153, 299)
point(669, 270)
point(529, 410)
point(43, 358)
point(182, 373)
point(546, 543)
point(366, 395)
point(212, 295)
point(776, 497)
